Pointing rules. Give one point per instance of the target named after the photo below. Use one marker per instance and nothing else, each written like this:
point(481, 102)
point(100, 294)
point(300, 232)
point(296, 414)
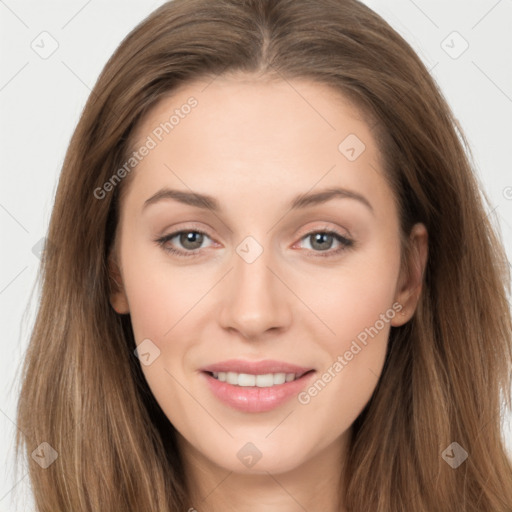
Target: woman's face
point(261, 290)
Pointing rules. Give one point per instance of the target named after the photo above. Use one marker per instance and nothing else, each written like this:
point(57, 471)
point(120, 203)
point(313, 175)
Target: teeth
point(261, 381)
point(231, 378)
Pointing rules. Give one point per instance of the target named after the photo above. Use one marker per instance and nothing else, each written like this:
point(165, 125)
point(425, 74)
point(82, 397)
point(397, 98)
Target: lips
point(262, 397)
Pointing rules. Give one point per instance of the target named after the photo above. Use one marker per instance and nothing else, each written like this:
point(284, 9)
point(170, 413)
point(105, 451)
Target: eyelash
point(345, 242)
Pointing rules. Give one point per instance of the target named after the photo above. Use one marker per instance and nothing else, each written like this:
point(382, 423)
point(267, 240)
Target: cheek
point(159, 294)
point(355, 296)
point(358, 310)
point(356, 304)
point(153, 305)
point(363, 303)
point(161, 301)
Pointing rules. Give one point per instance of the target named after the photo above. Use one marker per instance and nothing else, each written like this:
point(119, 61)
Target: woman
point(252, 372)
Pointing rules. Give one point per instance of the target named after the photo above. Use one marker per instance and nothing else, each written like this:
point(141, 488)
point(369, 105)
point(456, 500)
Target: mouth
point(255, 386)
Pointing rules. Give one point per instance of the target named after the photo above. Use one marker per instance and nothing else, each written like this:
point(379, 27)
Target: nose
point(255, 299)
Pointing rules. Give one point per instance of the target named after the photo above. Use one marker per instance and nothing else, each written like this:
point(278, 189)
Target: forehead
point(255, 111)
point(243, 136)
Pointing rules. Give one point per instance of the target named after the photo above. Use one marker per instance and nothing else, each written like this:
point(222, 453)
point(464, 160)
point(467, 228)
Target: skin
point(254, 145)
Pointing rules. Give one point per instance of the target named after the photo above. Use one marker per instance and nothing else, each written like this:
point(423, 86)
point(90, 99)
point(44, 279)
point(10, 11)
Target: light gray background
point(41, 100)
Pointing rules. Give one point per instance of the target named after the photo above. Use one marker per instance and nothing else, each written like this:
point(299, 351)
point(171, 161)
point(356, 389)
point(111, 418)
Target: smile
point(256, 392)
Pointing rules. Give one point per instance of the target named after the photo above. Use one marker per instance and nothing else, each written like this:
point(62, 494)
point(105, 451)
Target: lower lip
point(255, 399)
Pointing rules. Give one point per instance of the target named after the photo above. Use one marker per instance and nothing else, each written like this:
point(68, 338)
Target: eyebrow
point(301, 201)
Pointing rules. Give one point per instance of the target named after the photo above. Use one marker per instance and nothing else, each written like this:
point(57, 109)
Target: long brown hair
point(447, 371)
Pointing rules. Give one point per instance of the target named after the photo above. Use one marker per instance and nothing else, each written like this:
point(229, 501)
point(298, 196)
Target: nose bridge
point(255, 302)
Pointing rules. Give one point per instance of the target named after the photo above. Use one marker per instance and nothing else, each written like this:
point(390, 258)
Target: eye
point(190, 239)
point(323, 240)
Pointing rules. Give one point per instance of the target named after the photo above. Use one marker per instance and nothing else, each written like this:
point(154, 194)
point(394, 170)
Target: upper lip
point(256, 367)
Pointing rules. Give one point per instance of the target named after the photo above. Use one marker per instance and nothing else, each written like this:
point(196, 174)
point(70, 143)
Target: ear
point(118, 298)
point(411, 275)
